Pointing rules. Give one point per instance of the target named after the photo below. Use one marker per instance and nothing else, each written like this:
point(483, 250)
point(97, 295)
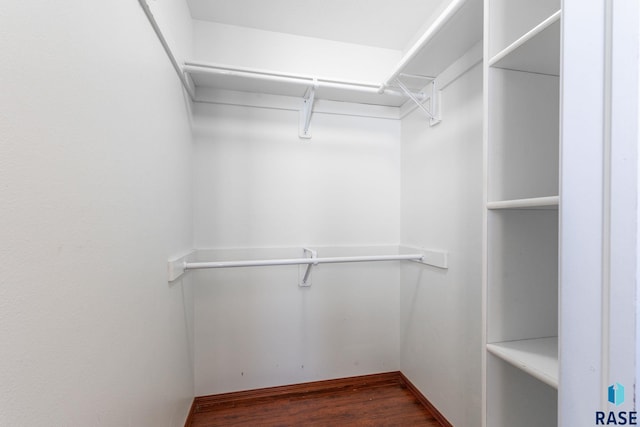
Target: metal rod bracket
point(178, 266)
point(433, 111)
point(435, 100)
point(306, 280)
point(306, 110)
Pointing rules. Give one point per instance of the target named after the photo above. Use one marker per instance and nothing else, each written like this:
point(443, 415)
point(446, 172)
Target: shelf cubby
point(511, 19)
point(522, 289)
point(517, 398)
point(537, 51)
point(524, 131)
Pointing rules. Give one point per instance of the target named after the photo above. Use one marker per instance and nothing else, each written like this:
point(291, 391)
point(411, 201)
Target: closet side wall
point(261, 192)
point(442, 209)
point(287, 53)
point(95, 157)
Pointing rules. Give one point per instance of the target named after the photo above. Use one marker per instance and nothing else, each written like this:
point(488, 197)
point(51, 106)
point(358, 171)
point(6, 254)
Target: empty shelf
point(445, 43)
point(537, 357)
point(538, 51)
point(550, 202)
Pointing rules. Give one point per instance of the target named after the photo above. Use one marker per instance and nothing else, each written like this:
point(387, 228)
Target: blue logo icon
point(616, 394)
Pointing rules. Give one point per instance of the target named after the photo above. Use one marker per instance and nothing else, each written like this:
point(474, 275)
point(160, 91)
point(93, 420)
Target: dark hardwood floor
point(372, 400)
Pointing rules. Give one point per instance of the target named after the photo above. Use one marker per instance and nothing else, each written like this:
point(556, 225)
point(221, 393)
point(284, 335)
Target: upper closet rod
point(433, 29)
point(301, 261)
point(306, 81)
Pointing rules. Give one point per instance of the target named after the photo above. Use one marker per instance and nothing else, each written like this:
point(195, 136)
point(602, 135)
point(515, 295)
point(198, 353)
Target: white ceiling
point(382, 23)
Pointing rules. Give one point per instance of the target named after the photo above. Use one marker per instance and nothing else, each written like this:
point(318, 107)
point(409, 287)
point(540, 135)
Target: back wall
point(261, 192)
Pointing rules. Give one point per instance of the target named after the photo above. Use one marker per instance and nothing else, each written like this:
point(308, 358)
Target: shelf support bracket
point(434, 99)
point(306, 282)
point(433, 111)
point(306, 110)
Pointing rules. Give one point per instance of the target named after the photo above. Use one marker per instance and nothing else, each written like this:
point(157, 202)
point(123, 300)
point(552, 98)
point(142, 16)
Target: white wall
point(261, 188)
point(95, 157)
point(248, 47)
point(442, 209)
point(259, 185)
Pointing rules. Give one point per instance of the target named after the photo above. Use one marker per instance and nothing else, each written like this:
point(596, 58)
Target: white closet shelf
point(537, 357)
point(454, 32)
point(549, 202)
point(538, 51)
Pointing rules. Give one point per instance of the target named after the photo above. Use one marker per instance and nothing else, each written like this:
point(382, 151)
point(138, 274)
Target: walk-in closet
point(213, 205)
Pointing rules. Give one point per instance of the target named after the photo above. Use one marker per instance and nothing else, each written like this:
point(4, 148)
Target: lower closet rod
point(297, 261)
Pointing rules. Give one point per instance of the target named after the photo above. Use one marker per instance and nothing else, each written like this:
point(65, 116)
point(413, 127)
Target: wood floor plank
point(375, 400)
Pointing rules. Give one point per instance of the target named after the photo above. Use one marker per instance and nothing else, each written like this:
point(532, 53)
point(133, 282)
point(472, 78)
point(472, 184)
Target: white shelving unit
point(522, 85)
